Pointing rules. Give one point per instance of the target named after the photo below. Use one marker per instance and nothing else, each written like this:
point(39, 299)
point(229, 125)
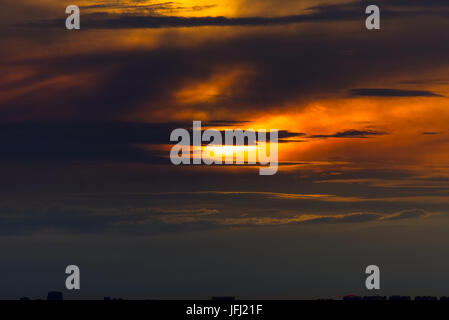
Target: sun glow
point(220, 152)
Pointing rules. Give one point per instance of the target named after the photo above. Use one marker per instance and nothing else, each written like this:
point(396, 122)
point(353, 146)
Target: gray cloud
point(350, 134)
point(285, 69)
point(59, 218)
point(382, 92)
point(367, 216)
point(29, 219)
point(124, 21)
point(324, 12)
point(96, 142)
point(407, 214)
point(154, 8)
point(150, 77)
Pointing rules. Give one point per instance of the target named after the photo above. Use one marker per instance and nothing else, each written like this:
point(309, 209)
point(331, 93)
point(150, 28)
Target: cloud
point(349, 134)
point(284, 136)
point(369, 216)
point(150, 78)
point(95, 142)
point(152, 16)
point(219, 123)
point(77, 142)
point(154, 8)
point(61, 218)
point(357, 217)
point(366, 92)
point(347, 218)
point(279, 198)
point(414, 3)
point(276, 70)
point(407, 214)
point(102, 20)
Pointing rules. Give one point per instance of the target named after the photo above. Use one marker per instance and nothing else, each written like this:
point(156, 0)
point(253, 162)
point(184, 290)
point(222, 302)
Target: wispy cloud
point(154, 220)
point(154, 15)
point(349, 134)
point(382, 92)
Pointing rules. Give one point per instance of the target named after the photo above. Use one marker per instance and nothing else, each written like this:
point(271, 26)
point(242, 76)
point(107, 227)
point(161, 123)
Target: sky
point(85, 122)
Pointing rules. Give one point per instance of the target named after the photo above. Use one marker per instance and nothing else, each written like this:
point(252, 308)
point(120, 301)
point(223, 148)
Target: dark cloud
point(367, 216)
point(283, 137)
point(350, 218)
point(349, 134)
point(381, 92)
point(285, 69)
point(426, 82)
point(147, 79)
point(127, 219)
point(324, 12)
point(389, 8)
point(414, 3)
point(408, 214)
point(155, 8)
point(112, 142)
point(224, 123)
point(38, 218)
point(69, 143)
point(125, 21)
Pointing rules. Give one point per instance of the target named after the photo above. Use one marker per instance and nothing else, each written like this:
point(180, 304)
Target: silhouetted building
point(351, 297)
point(374, 298)
point(54, 295)
point(444, 298)
point(25, 299)
point(400, 298)
point(426, 298)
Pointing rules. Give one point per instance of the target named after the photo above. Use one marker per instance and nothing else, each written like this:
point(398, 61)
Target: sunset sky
point(85, 122)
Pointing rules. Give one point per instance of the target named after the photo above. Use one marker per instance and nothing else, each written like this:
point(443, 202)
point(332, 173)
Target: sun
point(222, 152)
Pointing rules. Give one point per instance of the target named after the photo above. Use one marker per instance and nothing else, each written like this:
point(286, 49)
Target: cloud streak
point(391, 93)
point(149, 17)
point(151, 220)
point(350, 134)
